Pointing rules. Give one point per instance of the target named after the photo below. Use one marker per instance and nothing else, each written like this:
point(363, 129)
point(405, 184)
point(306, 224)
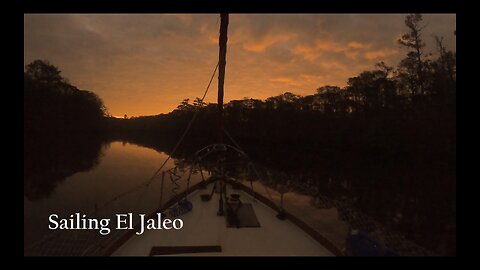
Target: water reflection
point(49, 161)
point(102, 173)
point(396, 206)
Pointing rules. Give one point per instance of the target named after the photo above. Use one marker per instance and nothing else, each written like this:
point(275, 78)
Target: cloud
point(312, 79)
point(147, 63)
point(380, 54)
point(263, 43)
point(331, 65)
point(353, 55)
point(358, 45)
point(299, 80)
point(312, 52)
point(309, 53)
point(286, 80)
point(350, 50)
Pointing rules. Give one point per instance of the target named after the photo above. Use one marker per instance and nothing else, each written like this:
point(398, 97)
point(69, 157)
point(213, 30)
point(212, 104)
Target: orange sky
point(147, 64)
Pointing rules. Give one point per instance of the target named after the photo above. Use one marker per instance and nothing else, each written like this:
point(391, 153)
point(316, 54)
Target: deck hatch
point(156, 251)
point(245, 217)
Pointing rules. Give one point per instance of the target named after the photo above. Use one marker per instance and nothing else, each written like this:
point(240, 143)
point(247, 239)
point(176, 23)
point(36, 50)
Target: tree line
point(387, 139)
point(64, 129)
point(53, 105)
point(408, 109)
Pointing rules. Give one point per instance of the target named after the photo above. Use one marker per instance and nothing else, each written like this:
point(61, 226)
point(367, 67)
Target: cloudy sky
point(147, 64)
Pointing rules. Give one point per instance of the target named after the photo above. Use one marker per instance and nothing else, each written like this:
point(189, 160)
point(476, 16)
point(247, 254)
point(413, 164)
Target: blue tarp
point(362, 245)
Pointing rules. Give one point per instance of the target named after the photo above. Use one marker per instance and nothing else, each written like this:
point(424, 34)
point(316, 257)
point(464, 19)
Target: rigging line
point(161, 190)
point(186, 130)
point(266, 189)
point(146, 184)
point(234, 142)
point(251, 164)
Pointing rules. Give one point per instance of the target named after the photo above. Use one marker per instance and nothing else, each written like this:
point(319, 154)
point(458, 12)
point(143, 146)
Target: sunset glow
point(147, 64)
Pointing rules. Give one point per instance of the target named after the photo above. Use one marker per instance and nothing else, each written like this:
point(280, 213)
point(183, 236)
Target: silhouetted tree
point(365, 143)
point(53, 105)
point(198, 103)
point(370, 89)
point(43, 72)
point(412, 67)
point(389, 86)
point(184, 105)
point(64, 129)
point(443, 84)
point(331, 98)
point(285, 101)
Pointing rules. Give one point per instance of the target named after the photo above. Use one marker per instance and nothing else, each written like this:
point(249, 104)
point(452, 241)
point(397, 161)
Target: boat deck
point(202, 227)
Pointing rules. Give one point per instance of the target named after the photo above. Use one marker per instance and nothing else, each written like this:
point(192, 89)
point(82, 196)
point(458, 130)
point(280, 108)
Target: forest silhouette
point(386, 141)
point(64, 128)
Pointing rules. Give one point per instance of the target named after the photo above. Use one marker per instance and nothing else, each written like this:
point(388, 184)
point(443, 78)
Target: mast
point(222, 41)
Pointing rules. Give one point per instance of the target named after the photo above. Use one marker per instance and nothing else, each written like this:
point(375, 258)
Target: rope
point(188, 179)
point(251, 165)
point(186, 130)
point(174, 179)
point(201, 172)
point(161, 190)
point(47, 238)
point(148, 182)
point(234, 142)
point(266, 189)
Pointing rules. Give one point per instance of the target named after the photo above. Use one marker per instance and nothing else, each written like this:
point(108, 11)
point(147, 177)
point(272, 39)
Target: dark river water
point(121, 167)
point(112, 180)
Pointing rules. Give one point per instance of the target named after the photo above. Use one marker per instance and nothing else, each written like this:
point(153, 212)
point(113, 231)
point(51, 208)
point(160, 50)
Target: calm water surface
point(115, 183)
point(121, 167)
